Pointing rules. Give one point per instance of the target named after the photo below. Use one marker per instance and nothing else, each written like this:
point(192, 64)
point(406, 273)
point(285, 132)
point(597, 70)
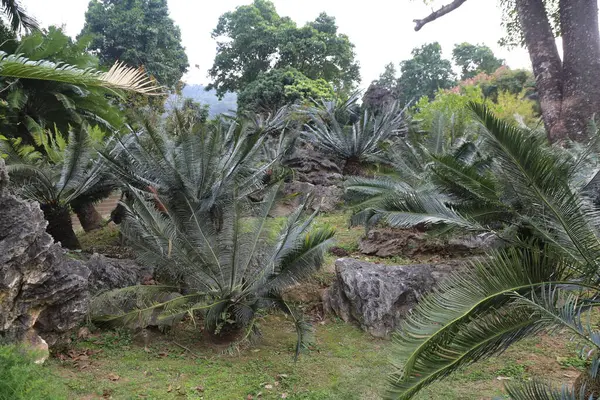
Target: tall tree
point(425, 73)
point(474, 59)
point(138, 33)
point(569, 91)
point(254, 39)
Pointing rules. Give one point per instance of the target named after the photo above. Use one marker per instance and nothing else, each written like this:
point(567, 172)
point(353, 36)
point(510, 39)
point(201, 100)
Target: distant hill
point(199, 94)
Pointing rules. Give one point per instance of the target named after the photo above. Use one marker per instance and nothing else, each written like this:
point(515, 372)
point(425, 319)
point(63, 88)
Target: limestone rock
point(112, 273)
point(376, 296)
point(42, 291)
point(386, 242)
point(326, 198)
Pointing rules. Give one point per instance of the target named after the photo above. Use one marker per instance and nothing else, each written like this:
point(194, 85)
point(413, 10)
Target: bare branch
point(419, 23)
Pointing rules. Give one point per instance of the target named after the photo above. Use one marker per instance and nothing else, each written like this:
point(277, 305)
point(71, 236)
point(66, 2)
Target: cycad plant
point(62, 176)
point(200, 162)
point(546, 276)
point(227, 274)
point(357, 137)
point(414, 163)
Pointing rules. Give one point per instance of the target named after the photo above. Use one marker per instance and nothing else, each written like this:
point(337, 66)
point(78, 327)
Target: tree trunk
point(60, 226)
point(353, 167)
point(89, 218)
point(581, 66)
point(568, 91)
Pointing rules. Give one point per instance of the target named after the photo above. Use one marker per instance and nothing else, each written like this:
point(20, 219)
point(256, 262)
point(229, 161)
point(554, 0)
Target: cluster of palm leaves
point(535, 198)
point(198, 210)
point(356, 136)
point(62, 176)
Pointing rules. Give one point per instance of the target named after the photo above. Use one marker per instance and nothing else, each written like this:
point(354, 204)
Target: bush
point(21, 378)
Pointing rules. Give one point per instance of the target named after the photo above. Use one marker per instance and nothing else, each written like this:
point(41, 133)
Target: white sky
point(382, 30)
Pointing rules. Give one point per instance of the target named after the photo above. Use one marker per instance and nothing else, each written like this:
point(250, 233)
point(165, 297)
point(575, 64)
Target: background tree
point(254, 39)
point(569, 93)
point(425, 73)
point(474, 59)
point(278, 87)
point(138, 33)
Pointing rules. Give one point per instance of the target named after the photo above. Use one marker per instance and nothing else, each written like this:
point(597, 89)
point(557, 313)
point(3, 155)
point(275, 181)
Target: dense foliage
point(139, 33)
point(279, 87)
point(475, 59)
point(250, 38)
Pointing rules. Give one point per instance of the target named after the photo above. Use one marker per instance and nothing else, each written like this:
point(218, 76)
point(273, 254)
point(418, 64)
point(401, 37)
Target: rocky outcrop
point(316, 173)
point(112, 273)
point(376, 297)
point(43, 293)
point(386, 242)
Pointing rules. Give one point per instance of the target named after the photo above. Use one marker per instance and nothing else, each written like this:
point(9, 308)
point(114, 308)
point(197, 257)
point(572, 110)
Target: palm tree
point(61, 177)
point(17, 16)
point(546, 276)
point(229, 274)
point(356, 137)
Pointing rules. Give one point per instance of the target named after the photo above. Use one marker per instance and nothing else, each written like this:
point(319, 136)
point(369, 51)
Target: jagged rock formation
point(43, 293)
point(376, 297)
point(112, 273)
point(316, 173)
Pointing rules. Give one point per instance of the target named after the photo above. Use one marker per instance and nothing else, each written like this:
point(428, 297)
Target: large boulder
point(43, 292)
point(377, 297)
point(112, 273)
point(314, 166)
point(325, 198)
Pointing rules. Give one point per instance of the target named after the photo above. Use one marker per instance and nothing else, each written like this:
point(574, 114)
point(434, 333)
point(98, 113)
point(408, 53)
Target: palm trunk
point(353, 167)
point(89, 218)
point(60, 226)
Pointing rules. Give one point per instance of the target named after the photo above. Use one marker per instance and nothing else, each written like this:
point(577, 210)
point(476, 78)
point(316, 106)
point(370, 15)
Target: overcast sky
point(382, 30)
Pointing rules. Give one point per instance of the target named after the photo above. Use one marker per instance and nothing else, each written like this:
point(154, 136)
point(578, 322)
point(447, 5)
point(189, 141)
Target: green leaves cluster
point(254, 39)
point(139, 33)
point(279, 87)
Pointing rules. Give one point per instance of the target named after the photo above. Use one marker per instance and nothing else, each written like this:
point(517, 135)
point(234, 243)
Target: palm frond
point(17, 16)
point(119, 77)
point(472, 315)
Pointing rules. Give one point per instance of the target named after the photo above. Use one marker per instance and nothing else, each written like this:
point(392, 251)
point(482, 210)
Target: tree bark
point(89, 217)
point(581, 66)
point(547, 66)
point(60, 226)
point(568, 89)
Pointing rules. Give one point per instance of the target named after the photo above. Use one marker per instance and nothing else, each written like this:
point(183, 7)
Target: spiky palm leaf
point(202, 164)
point(17, 16)
point(234, 271)
point(119, 77)
point(546, 282)
point(355, 142)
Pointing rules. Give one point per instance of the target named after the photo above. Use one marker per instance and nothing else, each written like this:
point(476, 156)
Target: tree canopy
point(425, 73)
point(474, 59)
point(138, 33)
point(278, 87)
point(254, 39)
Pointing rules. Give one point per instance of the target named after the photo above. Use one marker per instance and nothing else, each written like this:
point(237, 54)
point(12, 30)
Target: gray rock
point(376, 296)
point(326, 198)
point(386, 242)
point(112, 273)
point(315, 167)
point(42, 291)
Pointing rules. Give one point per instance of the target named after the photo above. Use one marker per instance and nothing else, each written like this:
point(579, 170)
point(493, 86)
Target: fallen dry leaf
point(284, 395)
point(200, 388)
point(249, 397)
point(169, 389)
point(113, 377)
point(269, 387)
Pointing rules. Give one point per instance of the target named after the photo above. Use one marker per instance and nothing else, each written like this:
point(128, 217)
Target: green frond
point(541, 390)
point(471, 315)
point(119, 77)
point(17, 16)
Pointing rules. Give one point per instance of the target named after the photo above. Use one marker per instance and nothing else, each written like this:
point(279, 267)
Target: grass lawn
point(344, 363)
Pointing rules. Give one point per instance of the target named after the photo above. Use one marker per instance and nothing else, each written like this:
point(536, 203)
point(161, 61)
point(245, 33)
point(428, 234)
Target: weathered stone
point(314, 166)
point(376, 296)
point(42, 291)
point(386, 242)
point(112, 273)
point(325, 198)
